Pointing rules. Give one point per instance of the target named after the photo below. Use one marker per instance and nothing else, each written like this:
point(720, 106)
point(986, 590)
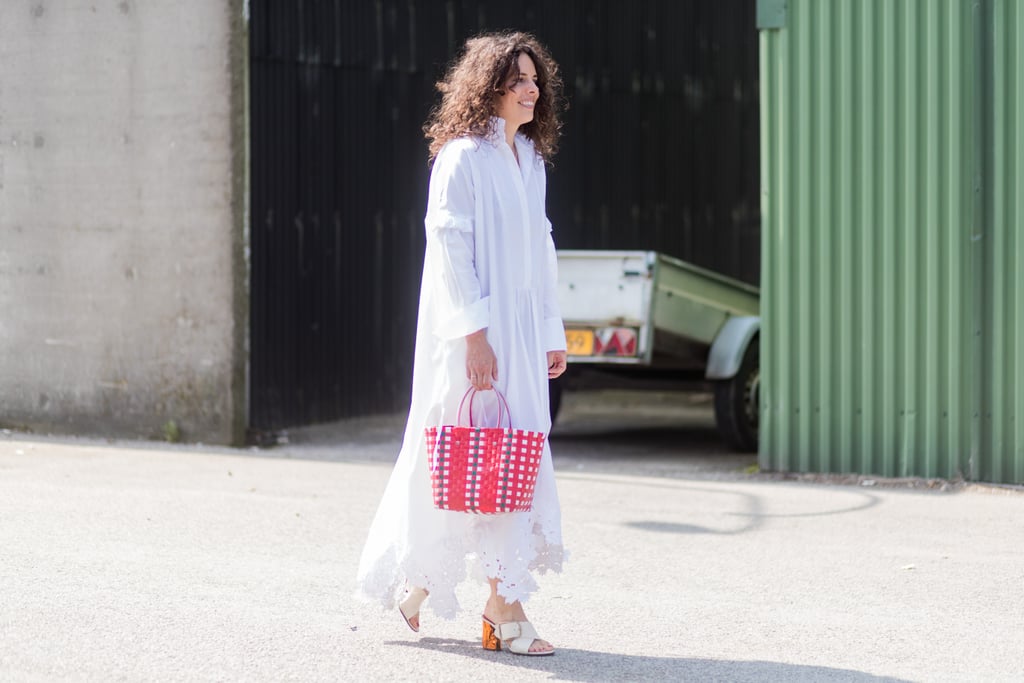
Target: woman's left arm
point(554, 331)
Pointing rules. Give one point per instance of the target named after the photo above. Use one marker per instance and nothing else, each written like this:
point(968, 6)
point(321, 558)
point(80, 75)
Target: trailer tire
point(554, 397)
point(737, 402)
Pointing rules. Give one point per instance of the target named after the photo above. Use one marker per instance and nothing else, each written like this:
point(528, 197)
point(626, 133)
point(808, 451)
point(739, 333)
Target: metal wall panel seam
point(994, 164)
point(780, 211)
point(913, 247)
point(976, 229)
point(934, 227)
point(1013, 199)
point(1005, 395)
point(799, 364)
point(959, 205)
point(863, 66)
point(769, 86)
point(810, 369)
point(952, 308)
point(931, 229)
point(820, 403)
point(772, 254)
point(918, 351)
point(788, 223)
point(891, 237)
point(848, 404)
point(876, 289)
point(941, 298)
point(957, 193)
point(997, 166)
point(1003, 355)
point(1015, 225)
point(943, 273)
point(936, 224)
point(1016, 199)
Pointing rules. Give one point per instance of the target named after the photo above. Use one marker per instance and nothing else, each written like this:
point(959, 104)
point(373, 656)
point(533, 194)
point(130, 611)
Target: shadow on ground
point(587, 665)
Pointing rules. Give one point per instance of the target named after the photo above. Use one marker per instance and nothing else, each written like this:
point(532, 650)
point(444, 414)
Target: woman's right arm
point(451, 247)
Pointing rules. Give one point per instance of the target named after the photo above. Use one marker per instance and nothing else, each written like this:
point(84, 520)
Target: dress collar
point(497, 134)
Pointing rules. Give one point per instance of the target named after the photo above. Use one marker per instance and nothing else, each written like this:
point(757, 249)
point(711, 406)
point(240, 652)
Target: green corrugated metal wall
point(1002, 431)
point(891, 208)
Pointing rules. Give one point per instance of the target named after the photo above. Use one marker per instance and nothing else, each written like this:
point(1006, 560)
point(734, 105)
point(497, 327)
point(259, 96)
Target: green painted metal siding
point(1002, 432)
point(891, 299)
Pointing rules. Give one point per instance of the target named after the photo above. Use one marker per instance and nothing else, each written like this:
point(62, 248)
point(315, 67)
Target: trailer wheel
point(737, 402)
point(554, 397)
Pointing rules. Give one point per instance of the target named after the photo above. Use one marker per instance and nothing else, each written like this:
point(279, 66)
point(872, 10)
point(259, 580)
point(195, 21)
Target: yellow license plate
point(579, 342)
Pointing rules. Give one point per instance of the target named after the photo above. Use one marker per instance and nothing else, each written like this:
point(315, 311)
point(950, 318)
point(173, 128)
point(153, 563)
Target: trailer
point(653, 317)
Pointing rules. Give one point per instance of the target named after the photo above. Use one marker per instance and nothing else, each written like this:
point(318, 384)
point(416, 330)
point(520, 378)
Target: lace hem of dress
point(441, 574)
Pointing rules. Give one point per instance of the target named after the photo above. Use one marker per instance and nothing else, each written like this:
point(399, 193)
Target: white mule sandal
point(410, 606)
point(516, 636)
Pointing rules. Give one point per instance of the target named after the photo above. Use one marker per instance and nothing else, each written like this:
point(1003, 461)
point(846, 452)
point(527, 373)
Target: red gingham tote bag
point(483, 470)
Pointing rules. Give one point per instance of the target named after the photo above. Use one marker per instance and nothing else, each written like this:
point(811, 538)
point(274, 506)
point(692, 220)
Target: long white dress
point(490, 263)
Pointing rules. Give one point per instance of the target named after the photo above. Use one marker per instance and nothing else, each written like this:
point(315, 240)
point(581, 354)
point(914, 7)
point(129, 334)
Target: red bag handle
point(471, 394)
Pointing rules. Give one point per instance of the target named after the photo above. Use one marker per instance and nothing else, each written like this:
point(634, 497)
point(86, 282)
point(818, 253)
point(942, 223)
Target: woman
point(488, 318)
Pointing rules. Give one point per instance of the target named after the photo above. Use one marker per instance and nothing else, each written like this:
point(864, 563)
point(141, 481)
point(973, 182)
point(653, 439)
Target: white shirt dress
point(490, 263)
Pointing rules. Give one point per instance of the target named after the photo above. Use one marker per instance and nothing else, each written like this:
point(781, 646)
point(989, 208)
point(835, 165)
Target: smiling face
point(520, 97)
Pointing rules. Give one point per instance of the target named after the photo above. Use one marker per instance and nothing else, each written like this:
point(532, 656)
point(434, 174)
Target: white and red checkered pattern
point(483, 470)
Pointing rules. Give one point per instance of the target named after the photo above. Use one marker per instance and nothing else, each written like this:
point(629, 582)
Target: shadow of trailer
point(642, 319)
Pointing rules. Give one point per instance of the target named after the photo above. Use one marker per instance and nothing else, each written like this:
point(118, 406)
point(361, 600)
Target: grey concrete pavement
point(140, 562)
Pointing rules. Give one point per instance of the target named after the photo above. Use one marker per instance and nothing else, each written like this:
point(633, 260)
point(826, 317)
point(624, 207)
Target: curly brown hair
point(479, 76)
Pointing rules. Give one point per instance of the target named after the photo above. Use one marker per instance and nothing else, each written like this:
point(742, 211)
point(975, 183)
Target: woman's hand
point(481, 363)
point(556, 363)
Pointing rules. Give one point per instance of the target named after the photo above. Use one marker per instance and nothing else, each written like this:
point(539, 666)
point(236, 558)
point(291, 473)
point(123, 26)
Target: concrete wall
point(122, 175)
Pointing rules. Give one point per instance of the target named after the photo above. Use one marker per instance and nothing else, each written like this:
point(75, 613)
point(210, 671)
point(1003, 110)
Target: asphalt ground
point(141, 561)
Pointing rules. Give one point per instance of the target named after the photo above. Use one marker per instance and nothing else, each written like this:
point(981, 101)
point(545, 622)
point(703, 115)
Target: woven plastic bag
point(483, 470)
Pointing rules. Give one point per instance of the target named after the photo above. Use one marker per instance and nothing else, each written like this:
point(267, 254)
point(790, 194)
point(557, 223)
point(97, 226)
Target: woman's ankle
point(499, 611)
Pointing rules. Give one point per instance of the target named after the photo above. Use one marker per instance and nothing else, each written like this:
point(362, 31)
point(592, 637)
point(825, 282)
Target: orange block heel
point(515, 636)
point(491, 641)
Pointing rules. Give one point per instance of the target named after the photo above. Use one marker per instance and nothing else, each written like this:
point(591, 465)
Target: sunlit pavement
point(152, 562)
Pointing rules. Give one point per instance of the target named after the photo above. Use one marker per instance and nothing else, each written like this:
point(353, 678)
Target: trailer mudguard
point(729, 346)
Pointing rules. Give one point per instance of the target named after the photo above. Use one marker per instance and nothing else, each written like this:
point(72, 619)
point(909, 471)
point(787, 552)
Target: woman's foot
point(410, 606)
point(500, 612)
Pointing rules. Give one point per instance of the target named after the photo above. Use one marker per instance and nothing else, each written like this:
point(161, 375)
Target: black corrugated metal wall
point(660, 151)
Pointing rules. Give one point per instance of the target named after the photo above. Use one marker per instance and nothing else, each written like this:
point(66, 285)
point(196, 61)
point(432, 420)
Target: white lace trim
point(390, 575)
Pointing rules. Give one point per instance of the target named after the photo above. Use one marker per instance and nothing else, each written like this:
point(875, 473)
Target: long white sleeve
point(451, 247)
point(554, 330)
